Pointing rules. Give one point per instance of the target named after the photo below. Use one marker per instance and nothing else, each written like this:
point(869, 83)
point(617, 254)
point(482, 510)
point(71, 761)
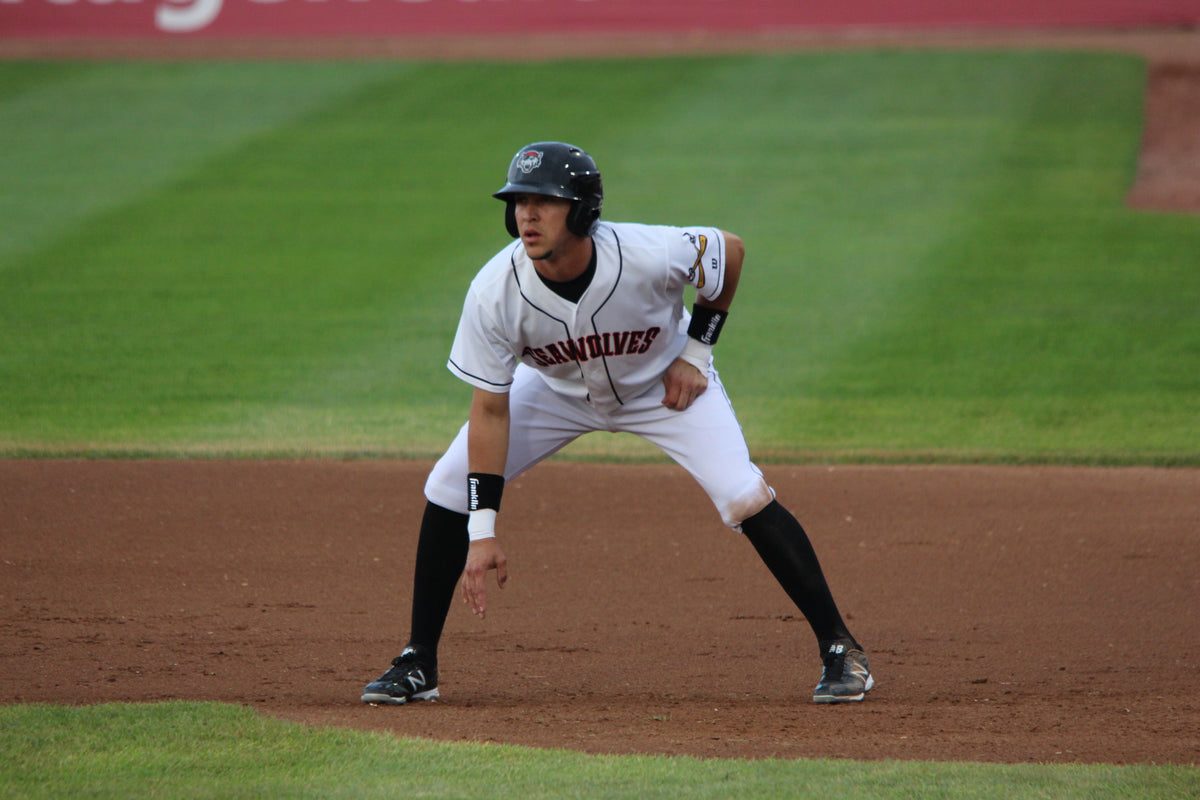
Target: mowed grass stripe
point(80, 139)
point(938, 253)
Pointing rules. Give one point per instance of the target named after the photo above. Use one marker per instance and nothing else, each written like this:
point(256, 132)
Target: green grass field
point(262, 258)
point(259, 259)
point(199, 750)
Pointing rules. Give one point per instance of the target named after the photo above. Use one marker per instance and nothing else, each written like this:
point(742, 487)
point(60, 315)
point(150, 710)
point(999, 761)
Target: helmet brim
point(536, 188)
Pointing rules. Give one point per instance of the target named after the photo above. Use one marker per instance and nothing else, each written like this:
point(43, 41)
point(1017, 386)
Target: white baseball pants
point(705, 439)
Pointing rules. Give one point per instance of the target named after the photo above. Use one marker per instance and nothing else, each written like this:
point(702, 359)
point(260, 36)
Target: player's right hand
point(483, 556)
point(683, 383)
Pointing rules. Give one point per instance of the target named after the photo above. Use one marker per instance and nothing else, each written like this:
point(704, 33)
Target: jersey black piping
point(536, 307)
point(478, 378)
point(604, 302)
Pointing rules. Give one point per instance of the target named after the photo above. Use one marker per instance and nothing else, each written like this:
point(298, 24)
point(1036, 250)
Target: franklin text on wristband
point(706, 324)
point(484, 490)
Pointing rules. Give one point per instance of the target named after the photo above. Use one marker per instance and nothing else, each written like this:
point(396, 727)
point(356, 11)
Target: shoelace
point(835, 666)
point(401, 666)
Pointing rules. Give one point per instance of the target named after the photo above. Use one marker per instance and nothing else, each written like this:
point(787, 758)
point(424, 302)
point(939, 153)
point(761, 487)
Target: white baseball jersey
point(573, 368)
point(617, 341)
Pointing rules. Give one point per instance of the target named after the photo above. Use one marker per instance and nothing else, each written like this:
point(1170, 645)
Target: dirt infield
point(1013, 614)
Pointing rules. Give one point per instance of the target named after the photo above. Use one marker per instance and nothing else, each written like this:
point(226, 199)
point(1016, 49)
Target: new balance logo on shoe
point(846, 677)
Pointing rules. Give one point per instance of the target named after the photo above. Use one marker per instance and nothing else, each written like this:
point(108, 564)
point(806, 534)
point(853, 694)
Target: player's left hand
point(684, 383)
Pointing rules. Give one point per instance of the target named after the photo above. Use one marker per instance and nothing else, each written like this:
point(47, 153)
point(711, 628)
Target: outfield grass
point(269, 258)
point(197, 750)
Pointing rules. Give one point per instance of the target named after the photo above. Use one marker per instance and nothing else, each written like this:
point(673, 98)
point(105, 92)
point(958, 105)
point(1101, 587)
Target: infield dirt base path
point(1013, 614)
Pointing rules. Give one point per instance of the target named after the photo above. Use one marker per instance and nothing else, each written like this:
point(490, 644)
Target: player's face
point(542, 223)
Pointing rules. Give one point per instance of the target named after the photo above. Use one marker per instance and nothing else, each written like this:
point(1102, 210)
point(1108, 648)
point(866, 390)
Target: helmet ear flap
point(580, 218)
point(510, 219)
point(586, 210)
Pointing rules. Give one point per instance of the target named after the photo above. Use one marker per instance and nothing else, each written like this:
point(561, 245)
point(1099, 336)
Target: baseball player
point(579, 325)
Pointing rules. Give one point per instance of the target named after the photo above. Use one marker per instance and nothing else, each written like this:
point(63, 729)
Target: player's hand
point(483, 556)
point(684, 383)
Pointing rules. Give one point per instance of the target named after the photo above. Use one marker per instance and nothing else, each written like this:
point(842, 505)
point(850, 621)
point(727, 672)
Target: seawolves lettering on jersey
point(623, 343)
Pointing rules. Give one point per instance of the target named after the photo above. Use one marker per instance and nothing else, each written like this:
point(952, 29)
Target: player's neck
point(566, 262)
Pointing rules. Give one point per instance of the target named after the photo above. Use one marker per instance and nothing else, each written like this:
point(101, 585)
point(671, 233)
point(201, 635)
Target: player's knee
point(753, 498)
point(447, 487)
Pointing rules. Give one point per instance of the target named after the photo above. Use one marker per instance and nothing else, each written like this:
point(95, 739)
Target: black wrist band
point(706, 324)
point(484, 490)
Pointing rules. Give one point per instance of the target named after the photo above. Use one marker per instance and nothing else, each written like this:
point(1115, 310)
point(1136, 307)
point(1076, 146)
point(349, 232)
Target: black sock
point(441, 556)
point(784, 547)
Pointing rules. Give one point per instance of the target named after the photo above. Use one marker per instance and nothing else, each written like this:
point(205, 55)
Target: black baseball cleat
point(410, 678)
point(846, 677)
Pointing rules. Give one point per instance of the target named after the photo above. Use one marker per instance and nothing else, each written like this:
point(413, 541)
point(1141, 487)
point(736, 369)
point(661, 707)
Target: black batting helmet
point(556, 169)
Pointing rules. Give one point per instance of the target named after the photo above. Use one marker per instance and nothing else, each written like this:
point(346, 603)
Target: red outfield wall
point(382, 18)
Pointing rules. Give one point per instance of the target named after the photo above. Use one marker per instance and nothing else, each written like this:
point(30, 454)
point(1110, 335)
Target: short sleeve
point(701, 252)
point(481, 354)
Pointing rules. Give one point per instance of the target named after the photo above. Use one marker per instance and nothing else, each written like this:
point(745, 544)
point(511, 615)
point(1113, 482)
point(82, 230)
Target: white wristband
point(697, 354)
point(481, 524)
